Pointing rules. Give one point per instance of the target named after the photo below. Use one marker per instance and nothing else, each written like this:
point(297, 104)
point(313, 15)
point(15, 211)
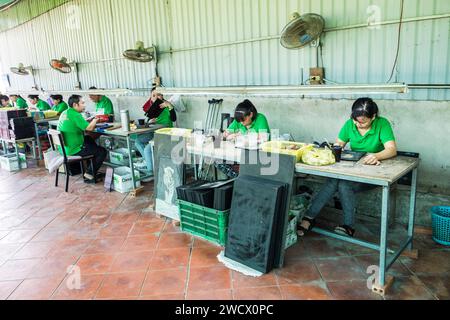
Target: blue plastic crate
point(441, 225)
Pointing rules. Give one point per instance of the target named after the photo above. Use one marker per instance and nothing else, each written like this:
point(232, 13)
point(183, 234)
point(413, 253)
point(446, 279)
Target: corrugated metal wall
point(194, 28)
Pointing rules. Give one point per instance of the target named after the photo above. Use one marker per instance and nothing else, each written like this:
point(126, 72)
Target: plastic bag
point(318, 157)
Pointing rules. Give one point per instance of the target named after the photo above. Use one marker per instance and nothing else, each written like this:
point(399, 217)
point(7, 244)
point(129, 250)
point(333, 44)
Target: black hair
point(3, 97)
point(75, 99)
point(33, 96)
point(57, 97)
point(364, 107)
point(93, 88)
point(244, 109)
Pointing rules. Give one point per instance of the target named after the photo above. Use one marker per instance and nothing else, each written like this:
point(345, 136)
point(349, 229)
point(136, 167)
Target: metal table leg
point(131, 162)
point(412, 208)
point(18, 156)
point(381, 285)
point(38, 140)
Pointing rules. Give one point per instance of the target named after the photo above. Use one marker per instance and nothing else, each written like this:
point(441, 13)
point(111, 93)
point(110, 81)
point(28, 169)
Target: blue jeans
point(347, 193)
point(144, 148)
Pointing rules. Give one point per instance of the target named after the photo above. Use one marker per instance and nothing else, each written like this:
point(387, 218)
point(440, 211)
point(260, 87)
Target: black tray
point(352, 156)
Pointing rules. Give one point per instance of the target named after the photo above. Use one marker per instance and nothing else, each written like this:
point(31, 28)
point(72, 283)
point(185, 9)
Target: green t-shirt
point(373, 141)
point(60, 108)
point(105, 105)
point(164, 119)
point(43, 106)
point(72, 126)
point(21, 103)
point(260, 125)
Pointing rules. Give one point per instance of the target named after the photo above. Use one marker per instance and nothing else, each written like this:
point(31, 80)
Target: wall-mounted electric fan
point(21, 70)
point(140, 53)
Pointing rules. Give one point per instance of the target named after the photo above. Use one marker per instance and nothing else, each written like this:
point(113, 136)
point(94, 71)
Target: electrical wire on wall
point(398, 40)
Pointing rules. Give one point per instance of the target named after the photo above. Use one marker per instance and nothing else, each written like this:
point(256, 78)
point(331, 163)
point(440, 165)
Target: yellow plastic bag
point(319, 157)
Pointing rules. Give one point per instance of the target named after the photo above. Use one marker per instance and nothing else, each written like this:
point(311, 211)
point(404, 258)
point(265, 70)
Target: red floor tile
point(50, 234)
point(340, 269)
point(211, 278)
point(132, 261)
point(210, 295)
point(326, 248)
point(243, 281)
point(34, 250)
point(89, 286)
point(260, 294)
point(7, 287)
point(52, 267)
point(352, 290)
point(36, 289)
point(168, 297)
point(121, 285)
point(17, 269)
point(73, 248)
point(307, 291)
point(35, 223)
point(438, 285)
point(19, 236)
point(147, 227)
point(205, 257)
point(170, 227)
point(431, 262)
point(140, 243)
point(170, 259)
point(397, 269)
point(298, 272)
point(174, 240)
point(95, 264)
point(106, 245)
point(124, 218)
point(165, 282)
point(115, 230)
point(409, 288)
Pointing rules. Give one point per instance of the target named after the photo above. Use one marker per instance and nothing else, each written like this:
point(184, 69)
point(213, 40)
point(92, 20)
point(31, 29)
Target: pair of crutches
point(212, 118)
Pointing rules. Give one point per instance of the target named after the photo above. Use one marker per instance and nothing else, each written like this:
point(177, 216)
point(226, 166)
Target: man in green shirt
point(248, 120)
point(18, 101)
point(38, 104)
point(73, 126)
point(103, 105)
point(58, 103)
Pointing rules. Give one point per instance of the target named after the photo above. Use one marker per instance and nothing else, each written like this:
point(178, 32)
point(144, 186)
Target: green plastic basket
point(441, 225)
point(209, 224)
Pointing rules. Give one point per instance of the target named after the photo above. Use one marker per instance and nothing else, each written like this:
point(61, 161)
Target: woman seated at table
point(367, 132)
point(58, 103)
point(248, 120)
point(4, 102)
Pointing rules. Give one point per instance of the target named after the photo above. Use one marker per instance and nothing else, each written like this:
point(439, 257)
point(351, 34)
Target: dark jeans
point(347, 193)
point(91, 148)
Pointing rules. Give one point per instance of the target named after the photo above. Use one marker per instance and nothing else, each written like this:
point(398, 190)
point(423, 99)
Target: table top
point(116, 129)
point(227, 151)
point(49, 120)
point(389, 172)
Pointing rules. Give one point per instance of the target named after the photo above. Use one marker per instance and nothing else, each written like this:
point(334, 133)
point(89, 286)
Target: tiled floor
point(121, 250)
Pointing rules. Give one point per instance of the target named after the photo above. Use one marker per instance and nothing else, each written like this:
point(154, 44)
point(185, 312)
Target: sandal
point(345, 231)
point(312, 224)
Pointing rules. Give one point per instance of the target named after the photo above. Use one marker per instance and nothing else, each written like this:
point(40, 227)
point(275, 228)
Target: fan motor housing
point(316, 76)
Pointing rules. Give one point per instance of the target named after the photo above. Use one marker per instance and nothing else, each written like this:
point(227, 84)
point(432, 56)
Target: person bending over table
point(18, 101)
point(38, 104)
point(367, 132)
point(72, 125)
point(4, 102)
point(58, 103)
point(158, 111)
point(248, 120)
point(103, 105)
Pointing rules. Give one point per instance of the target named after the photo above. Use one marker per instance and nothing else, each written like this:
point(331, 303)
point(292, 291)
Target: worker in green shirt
point(58, 103)
point(248, 120)
point(38, 104)
point(366, 131)
point(18, 101)
point(103, 105)
point(4, 102)
point(72, 125)
point(158, 111)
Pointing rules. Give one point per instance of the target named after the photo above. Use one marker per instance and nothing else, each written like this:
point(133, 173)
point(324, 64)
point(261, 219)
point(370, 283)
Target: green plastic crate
point(209, 224)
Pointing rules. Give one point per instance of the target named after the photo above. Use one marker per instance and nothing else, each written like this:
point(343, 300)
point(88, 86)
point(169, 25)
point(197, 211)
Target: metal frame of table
point(385, 264)
point(36, 128)
point(15, 142)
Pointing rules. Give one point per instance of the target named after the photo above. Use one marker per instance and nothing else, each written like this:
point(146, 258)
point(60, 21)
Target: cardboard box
point(9, 162)
point(120, 157)
point(122, 179)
